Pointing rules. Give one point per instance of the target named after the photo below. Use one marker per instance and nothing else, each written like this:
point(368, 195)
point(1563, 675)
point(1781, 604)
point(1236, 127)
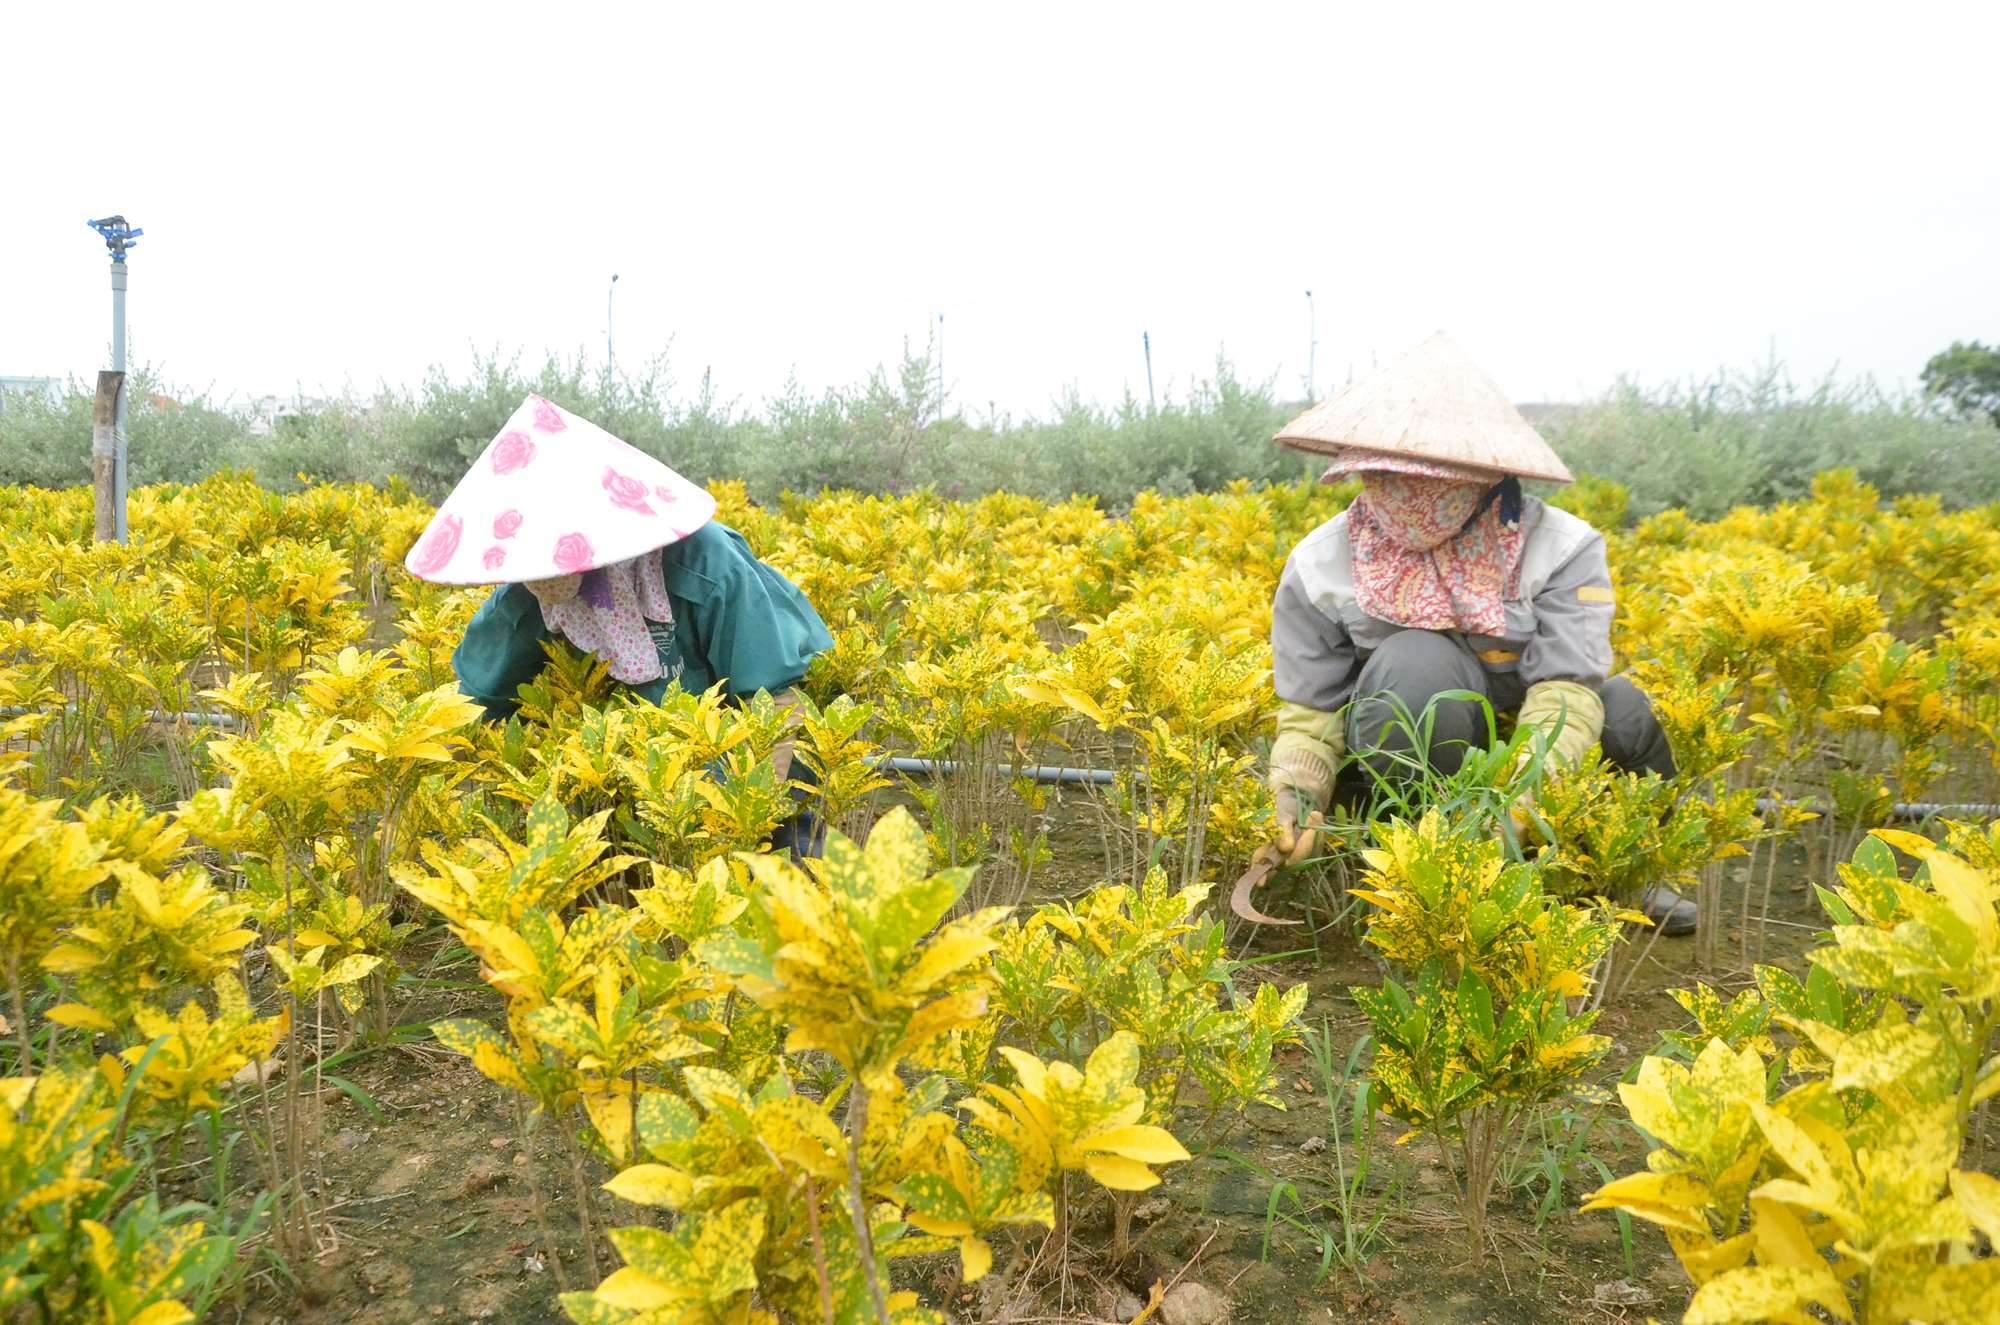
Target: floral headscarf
point(1432, 552)
point(605, 611)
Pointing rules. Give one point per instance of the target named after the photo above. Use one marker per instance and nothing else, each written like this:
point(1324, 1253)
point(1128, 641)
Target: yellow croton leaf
point(1704, 1258)
point(652, 1184)
point(975, 1258)
point(82, 1017)
point(1979, 1197)
point(168, 1312)
point(1763, 1292)
point(1082, 1120)
point(1673, 1200)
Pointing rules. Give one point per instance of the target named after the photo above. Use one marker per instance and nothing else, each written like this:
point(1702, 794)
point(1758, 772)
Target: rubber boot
point(1673, 913)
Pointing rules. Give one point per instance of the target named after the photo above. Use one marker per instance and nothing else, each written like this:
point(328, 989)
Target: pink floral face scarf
point(605, 611)
point(1416, 562)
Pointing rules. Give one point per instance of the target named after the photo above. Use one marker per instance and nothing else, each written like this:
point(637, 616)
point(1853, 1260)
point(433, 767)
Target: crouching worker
point(603, 545)
point(1442, 576)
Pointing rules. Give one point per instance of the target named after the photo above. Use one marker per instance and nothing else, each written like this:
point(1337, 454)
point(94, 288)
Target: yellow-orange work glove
point(1303, 760)
point(1580, 714)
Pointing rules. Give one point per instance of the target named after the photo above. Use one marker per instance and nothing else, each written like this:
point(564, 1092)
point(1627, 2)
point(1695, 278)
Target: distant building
point(29, 386)
point(260, 414)
point(1539, 412)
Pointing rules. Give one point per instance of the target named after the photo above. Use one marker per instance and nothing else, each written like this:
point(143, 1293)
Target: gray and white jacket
point(1558, 618)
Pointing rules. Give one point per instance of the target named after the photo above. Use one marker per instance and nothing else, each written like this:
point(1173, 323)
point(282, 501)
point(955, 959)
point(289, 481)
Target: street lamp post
point(118, 238)
point(610, 360)
point(1312, 345)
point(1146, 340)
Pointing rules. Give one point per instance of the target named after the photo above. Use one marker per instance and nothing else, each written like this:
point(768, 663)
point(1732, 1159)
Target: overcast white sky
point(336, 195)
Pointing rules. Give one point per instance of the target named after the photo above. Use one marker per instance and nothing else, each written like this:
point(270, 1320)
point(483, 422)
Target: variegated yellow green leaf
point(652, 1184)
point(1759, 1293)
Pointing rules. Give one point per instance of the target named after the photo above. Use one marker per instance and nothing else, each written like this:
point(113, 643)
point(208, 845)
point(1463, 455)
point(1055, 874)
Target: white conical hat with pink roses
point(552, 495)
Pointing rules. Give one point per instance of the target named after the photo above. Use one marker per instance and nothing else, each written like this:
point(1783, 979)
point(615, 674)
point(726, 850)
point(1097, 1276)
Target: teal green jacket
point(736, 621)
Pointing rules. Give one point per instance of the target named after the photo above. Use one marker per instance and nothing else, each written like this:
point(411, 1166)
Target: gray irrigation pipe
point(1105, 777)
point(1102, 777)
point(947, 767)
point(157, 715)
point(1900, 810)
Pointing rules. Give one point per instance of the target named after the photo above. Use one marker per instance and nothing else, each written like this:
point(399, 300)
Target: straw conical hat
point(553, 495)
point(1432, 404)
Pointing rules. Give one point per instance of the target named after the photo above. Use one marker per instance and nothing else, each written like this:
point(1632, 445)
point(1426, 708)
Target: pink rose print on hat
point(547, 477)
point(572, 553)
point(512, 451)
point(438, 545)
point(627, 493)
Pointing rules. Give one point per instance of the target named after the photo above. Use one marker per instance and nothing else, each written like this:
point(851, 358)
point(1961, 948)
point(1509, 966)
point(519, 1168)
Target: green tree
point(1968, 376)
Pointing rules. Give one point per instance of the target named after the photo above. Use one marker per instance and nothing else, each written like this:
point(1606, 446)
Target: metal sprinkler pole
point(119, 487)
point(1146, 339)
point(118, 237)
point(610, 361)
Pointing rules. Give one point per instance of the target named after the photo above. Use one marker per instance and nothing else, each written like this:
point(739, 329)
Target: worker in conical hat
point(595, 541)
point(1443, 577)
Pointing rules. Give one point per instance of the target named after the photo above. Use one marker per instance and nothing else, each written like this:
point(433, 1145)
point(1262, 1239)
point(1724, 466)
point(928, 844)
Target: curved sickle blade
point(1261, 867)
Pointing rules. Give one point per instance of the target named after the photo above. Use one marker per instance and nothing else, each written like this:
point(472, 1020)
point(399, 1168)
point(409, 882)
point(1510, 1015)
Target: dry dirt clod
point(479, 1176)
point(384, 1276)
point(1621, 1293)
point(349, 1139)
point(515, 1210)
point(257, 1073)
point(1126, 1308)
point(1153, 1209)
point(1191, 1303)
point(482, 1303)
point(400, 1176)
point(1313, 1145)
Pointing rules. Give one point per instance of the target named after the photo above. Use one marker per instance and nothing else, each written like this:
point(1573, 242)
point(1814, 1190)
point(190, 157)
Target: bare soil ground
point(429, 1192)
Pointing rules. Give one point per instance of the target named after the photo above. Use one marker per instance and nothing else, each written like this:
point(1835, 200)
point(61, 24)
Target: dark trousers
point(1414, 666)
